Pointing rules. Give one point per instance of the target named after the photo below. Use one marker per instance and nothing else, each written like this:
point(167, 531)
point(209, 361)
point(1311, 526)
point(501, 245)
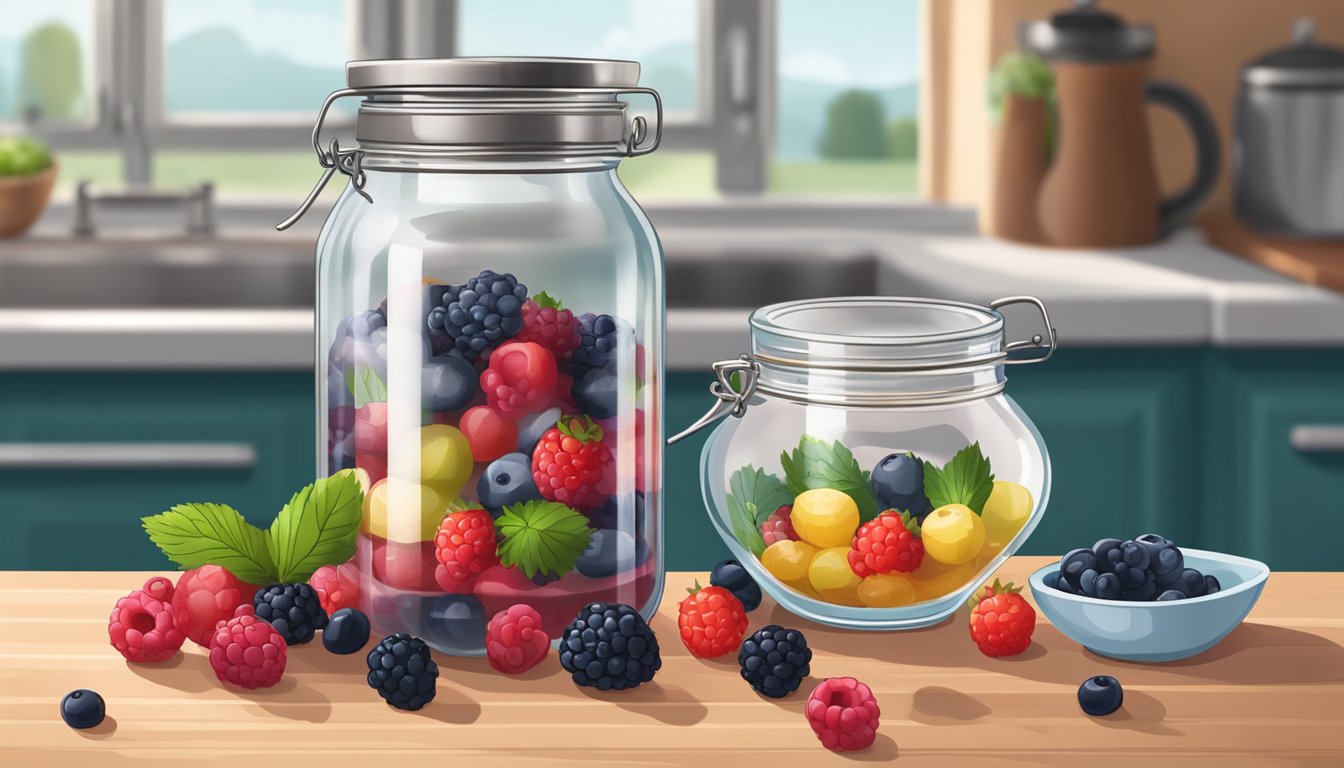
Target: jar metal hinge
point(347, 161)
point(728, 399)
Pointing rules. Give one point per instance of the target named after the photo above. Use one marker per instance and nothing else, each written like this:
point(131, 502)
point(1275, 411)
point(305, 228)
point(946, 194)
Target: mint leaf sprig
point(544, 537)
point(818, 464)
point(317, 527)
point(966, 479)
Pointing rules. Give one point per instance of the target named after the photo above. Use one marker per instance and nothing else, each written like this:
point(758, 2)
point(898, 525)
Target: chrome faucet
point(198, 203)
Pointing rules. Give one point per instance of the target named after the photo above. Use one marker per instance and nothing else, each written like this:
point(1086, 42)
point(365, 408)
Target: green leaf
point(542, 537)
point(366, 386)
point(966, 479)
point(317, 527)
point(547, 301)
point(193, 535)
point(817, 464)
point(753, 496)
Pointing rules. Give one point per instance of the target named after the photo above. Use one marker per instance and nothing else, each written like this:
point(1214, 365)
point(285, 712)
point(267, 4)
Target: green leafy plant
point(542, 537)
point(547, 301)
point(818, 464)
point(966, 479)
point(753, 496)
point(366, 386)
point(22, 156)
point(317, 527)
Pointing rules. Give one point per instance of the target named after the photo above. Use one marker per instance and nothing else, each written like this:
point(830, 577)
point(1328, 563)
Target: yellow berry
point(437, 455)
point(402, 511)
point(952, 534)
point(788, 560)
point(825, 518)
point(830, 572)
point(887, 590)
point(1006, 512)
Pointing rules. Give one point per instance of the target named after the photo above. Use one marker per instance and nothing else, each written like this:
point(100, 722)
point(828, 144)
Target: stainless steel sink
point(157, 275)
point(733, 277)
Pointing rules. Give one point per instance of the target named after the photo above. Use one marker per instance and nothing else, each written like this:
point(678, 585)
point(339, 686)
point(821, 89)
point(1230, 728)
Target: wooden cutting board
point(1269, 694)
point(1316, 262)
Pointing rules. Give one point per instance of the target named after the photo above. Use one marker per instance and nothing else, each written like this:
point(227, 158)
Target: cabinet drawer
point(84, 455)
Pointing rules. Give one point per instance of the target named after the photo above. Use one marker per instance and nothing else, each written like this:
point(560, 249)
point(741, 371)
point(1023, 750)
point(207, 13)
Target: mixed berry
point(523, 401)
point(1150, 567)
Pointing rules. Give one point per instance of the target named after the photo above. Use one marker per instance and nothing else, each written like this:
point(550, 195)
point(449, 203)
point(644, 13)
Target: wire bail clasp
point(729, 401)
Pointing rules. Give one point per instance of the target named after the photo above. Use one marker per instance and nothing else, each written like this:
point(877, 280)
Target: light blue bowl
point(1157, 631)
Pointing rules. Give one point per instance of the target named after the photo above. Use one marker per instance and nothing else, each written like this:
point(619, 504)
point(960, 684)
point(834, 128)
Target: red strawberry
point(779, 526)
point(712, 622)
point(464, 547)
point(515, 641)
point(548, 323)
point(521, 379)
point(572, 465)
point(888, 542)
point(1001, 620)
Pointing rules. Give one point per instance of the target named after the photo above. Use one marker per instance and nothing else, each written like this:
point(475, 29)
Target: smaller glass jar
point(848, 407)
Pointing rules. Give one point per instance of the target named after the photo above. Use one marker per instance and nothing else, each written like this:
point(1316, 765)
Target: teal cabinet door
point(1267, 499)
point(62, 516)
point(691, 543)
point(1122, 428)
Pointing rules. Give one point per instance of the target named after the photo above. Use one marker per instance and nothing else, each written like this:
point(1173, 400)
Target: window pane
point(250, 56)
point(660, 34)
point(45, 59)
point(848, 96)
point(284, 177)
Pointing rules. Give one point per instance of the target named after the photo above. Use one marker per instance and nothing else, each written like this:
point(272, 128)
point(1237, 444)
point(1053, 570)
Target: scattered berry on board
point(83, 708)
point(1002, 620)
point(730, 575)
point(347, 631)
point(293, 609)
point(609, 646)
point(844, 714)
point(142, 628)
point(337, 586)
point(515, 641)
point(711, 621)
point(159, 588)
point(248, 652)
point(774, 660)
point(1101, 695)
point(204, 597)
point(401, 670)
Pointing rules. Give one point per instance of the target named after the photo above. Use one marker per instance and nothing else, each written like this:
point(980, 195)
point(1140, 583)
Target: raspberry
point(888, 542)
point(1001, 620)
point(712, 622)
point(141, 628)
point(844, 714)
point(779, 526)
point(293, 609)
point(160, 588)
point(247, 652)
point(572, 465)
point(515, 641)
point(206, 596)
point(464, 547)
point(521, 379)
point(337, 586)
point(548, 323)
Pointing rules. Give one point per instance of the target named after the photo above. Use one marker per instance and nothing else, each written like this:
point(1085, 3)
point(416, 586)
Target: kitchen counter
point(1269, 694)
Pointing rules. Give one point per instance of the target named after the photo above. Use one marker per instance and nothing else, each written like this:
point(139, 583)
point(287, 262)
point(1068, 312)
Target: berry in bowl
point(874, 471)
point(1147, 599)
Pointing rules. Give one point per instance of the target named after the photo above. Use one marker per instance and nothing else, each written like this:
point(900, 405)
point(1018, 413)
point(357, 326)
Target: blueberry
point(531, 428)
point(1072, 565)
point(347, 631)
point(1134, 554)
point(1132, 577)
point(598, 392)
point(447, 383)
point(730, 575)
point(1171, 594)
point(1211, 584)
point(1052, 581)
point(898, 483)
point(1100, 695)
point(617, 511)
point(1164, 556)
point(1107, 553)
point(83, 708)
point(455, 624)
point(1192, 582)
point(1108, 586)
point(507, 481)
point(1087, 582)
point(362, 325)
point(609, 552)
point(1141, 593)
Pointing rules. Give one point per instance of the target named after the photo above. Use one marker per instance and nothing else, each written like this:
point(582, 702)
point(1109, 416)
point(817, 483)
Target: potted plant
point(27, 175)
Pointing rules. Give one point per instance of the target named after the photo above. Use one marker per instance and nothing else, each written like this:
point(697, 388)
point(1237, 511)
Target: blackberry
point(775, 660)
point(293, 609)
point(478, 316)
point(599, 338)
point(401, 670)
point(609, 646)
